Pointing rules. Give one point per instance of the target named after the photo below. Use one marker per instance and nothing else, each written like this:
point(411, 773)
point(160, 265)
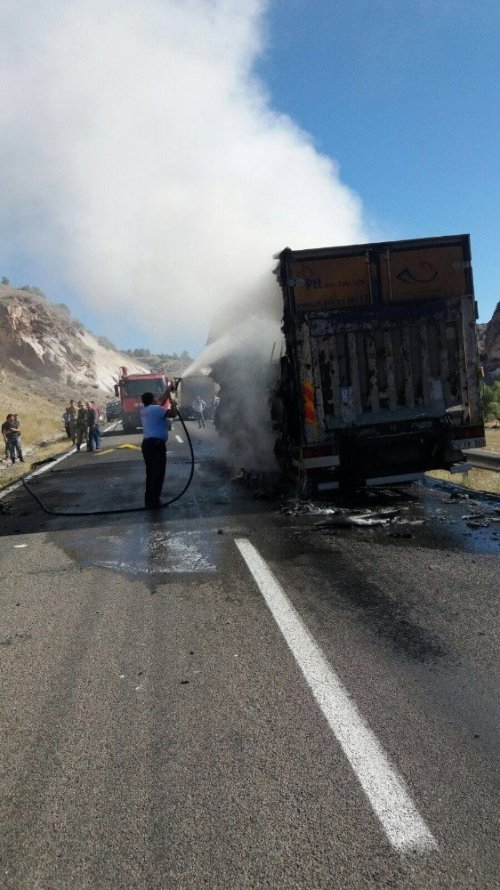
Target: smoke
point(145, 166)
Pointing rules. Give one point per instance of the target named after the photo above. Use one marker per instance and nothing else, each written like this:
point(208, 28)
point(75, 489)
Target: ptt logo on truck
point(308, 283)
point(422, 273)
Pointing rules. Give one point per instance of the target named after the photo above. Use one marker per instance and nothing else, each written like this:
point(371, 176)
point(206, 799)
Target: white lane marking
point(179, 439)
point(48, 466)
point(384, 788)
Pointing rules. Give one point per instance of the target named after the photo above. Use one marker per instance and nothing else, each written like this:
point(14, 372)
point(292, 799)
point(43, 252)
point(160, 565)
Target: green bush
point(491, 401)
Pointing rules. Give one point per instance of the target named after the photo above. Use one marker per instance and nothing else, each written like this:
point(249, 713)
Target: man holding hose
point(155, 427)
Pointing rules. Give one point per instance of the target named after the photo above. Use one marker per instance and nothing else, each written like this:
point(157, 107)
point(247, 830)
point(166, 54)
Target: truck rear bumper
point(315, 463)
point(384, 457)
point(398, 478)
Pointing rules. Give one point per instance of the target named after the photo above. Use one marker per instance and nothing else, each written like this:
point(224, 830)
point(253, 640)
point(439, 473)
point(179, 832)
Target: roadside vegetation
point(491, 401)
point(475, 479)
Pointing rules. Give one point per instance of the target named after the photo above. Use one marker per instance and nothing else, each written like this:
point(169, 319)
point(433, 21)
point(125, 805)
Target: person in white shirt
point(199, 406)
point(155, 427)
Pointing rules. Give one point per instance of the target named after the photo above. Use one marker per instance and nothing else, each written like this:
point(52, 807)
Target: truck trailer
point(379, 380)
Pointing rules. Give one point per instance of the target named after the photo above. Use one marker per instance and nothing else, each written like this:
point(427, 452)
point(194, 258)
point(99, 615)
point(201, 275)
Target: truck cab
point(129, 390)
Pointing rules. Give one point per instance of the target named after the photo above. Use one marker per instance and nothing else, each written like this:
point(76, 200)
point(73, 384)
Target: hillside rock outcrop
point(42, 340)
point(492, 346)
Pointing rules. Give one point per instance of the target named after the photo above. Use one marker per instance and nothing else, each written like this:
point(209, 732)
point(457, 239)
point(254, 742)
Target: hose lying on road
point(51, 512)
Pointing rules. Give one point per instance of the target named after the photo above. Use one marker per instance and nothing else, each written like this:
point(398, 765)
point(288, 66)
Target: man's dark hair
point(147, 398)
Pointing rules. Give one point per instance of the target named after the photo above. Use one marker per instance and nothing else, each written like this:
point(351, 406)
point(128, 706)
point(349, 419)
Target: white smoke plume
point(145, 166)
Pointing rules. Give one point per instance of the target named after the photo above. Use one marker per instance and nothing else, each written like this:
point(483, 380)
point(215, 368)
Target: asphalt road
point(244, 690)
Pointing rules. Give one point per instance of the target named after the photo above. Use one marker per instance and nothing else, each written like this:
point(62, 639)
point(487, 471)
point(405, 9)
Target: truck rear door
point(383, 332)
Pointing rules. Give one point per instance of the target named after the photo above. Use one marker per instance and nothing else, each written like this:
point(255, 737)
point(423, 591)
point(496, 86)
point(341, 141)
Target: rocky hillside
point(48, 357)
point(42, 343)
point(489, 346)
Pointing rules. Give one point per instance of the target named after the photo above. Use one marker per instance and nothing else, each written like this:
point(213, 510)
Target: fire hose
point(117, 510)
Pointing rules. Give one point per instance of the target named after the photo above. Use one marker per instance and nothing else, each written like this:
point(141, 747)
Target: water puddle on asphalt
point(147, 551)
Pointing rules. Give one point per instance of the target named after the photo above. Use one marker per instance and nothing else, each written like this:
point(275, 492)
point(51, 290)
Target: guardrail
point(483, 460)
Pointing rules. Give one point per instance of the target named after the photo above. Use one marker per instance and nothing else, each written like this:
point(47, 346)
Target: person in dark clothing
point(81, 425)
point(155, 426)
point(12, 433)
point(69, 418)
point(5, 427)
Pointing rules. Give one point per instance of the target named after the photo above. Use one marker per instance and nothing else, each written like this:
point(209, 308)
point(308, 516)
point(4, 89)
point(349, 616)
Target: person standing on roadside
point(71, 410)
point(66, 420)
point(5, 426)
point(13, 437)
point(81, 425)
point(198, 407)
point(94, 432)
point(155, 420)
point(69, 418)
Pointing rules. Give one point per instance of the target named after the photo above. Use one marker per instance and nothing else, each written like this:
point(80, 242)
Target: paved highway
point(242, 692)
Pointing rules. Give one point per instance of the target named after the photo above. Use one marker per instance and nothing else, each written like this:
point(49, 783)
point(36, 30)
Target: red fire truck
point(129, 390)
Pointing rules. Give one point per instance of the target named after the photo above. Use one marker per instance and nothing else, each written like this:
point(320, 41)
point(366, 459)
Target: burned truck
point(379, 380)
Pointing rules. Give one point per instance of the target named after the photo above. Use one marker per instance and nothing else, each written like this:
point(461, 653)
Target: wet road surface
point(245, 690)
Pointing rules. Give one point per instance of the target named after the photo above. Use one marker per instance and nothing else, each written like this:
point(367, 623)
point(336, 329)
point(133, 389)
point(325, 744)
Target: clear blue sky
point(141, 166)
point(405, 95)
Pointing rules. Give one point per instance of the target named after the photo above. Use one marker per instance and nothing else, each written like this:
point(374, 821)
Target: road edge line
point(48, 466)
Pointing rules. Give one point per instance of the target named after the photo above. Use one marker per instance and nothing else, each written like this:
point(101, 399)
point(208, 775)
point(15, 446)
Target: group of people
point(11, 432)
point(81, 422)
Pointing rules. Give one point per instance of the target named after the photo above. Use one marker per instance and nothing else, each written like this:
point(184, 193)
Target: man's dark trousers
point(154, 452)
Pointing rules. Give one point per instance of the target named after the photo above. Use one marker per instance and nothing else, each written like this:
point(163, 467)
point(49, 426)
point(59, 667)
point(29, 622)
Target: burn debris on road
point(482, 520)
point(265, 486)
point(363, 520)
point(459, 496)
point(299, 508)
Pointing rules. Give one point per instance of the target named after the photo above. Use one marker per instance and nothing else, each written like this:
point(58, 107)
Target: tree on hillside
point(107, 344)
point(491, 401)
point(141, 352)
point(33, 290)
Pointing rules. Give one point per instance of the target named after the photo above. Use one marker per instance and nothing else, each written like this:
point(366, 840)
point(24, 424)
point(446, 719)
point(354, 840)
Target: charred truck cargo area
point(377, 379)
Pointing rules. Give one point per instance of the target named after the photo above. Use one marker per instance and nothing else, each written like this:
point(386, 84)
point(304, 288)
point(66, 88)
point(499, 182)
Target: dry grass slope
point(477, 480)
point(40, 405)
